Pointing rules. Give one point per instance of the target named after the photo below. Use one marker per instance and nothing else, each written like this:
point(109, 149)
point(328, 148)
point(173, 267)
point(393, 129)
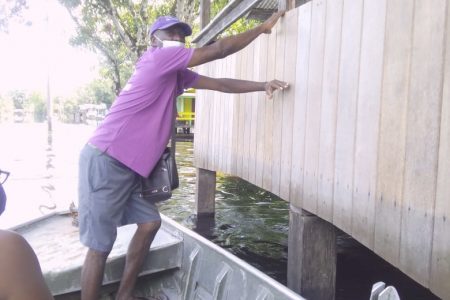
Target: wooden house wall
point(362, 136)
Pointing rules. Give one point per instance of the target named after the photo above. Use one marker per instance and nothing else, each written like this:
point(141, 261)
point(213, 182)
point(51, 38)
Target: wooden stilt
point(311, 256)
point(205, 194)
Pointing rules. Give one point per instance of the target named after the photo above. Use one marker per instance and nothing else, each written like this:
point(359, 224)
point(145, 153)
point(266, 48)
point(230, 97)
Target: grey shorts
point(108, 194)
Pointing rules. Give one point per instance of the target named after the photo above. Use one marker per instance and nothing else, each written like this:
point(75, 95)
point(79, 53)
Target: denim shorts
point(109, 197)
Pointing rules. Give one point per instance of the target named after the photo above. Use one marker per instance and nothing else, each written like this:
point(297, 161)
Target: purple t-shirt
point(138, 126)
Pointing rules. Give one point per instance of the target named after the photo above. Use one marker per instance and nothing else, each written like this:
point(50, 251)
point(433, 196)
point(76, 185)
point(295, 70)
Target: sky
point(28, 53)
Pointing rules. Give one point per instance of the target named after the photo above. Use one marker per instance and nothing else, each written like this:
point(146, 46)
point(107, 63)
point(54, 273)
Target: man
point(132, 138)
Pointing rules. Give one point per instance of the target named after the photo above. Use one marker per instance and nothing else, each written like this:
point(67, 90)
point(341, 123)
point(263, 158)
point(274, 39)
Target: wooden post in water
point(311, 255)
point(205, 192)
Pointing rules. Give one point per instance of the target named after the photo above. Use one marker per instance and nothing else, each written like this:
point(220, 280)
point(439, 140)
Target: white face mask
point(167, 44)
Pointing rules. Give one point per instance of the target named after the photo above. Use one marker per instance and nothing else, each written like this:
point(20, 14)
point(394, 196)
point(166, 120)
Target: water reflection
point(48, 185)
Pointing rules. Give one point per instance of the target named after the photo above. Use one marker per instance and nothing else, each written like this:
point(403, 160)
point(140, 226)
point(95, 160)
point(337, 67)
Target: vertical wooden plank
point(232, 116)
point(262, 45)
point(212, 124)
point(313, 106)
point(278, 107)
point(347, 108)
point(226, 118)
point(288, 102)
point(248, 113)
point(268, 138)
point(301, 92)
point(329, 109)
point(221, 118)
point(422, 139)
point(199, 120)
point(253, 113)
point(440, 262)
point(367, 123)
point(235, 163)
point(241, 128)
point(391, 144)
point(207, 115)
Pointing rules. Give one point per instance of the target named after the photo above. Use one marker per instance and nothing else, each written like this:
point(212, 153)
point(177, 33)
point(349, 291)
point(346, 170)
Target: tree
point(117, 29)
point(38, 106)
point(96, 92)
point(11, 10)
point(6, 108)
point(19, 99)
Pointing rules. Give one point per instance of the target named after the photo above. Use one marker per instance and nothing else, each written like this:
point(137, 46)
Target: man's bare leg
point(137, 252)
point(92, 274)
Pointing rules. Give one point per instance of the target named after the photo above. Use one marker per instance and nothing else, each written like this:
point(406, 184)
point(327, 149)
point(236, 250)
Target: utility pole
point(49, 99)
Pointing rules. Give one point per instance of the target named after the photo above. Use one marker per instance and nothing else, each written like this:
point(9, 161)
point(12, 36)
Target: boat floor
point(61, 255)
point(181, 264)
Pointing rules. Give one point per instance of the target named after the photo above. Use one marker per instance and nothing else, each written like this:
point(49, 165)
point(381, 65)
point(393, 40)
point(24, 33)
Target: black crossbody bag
point(163, 179)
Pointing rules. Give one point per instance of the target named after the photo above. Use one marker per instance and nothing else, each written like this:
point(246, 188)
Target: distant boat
point(181, 264)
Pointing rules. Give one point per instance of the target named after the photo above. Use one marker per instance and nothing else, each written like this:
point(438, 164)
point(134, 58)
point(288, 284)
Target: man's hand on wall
point(270, 22)
point(274, 85)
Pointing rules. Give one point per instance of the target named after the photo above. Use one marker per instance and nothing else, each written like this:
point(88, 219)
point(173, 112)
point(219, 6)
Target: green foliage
point(241, 25)
point(11, 10)
point(38, 107)
point(116, 29)
point(19, 99)
point(6, 108)
point(96, 92)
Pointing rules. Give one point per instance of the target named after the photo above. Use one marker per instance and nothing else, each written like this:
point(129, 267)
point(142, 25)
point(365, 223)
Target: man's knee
point(97, 255)
point(150, 227)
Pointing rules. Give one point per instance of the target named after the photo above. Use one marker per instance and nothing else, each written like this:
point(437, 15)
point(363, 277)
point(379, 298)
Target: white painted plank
point(206, 110)
point(329, 109)
point(212, 124)
point(301, 91)
point(268, 137)
point(440, 262)
point(249, 117)
point(220, 99)
point(199, 120)
point(367, 123)
point(241, 126)
point(227, 118)
point(313, 106)
point(236, 116)
point(391, 149)
point(256, 62)
point(422, 139)
point(262, 76)
point(233, 115)
point(291, 20)
point(347, 108)
point(278, 99)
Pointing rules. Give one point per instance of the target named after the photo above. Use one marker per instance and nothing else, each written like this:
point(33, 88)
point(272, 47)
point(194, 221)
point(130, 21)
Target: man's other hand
point(274, 85)
point(270, 22)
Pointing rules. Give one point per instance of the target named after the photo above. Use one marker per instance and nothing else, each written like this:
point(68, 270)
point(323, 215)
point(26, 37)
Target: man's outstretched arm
point(228, 85)
point(229, 45)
